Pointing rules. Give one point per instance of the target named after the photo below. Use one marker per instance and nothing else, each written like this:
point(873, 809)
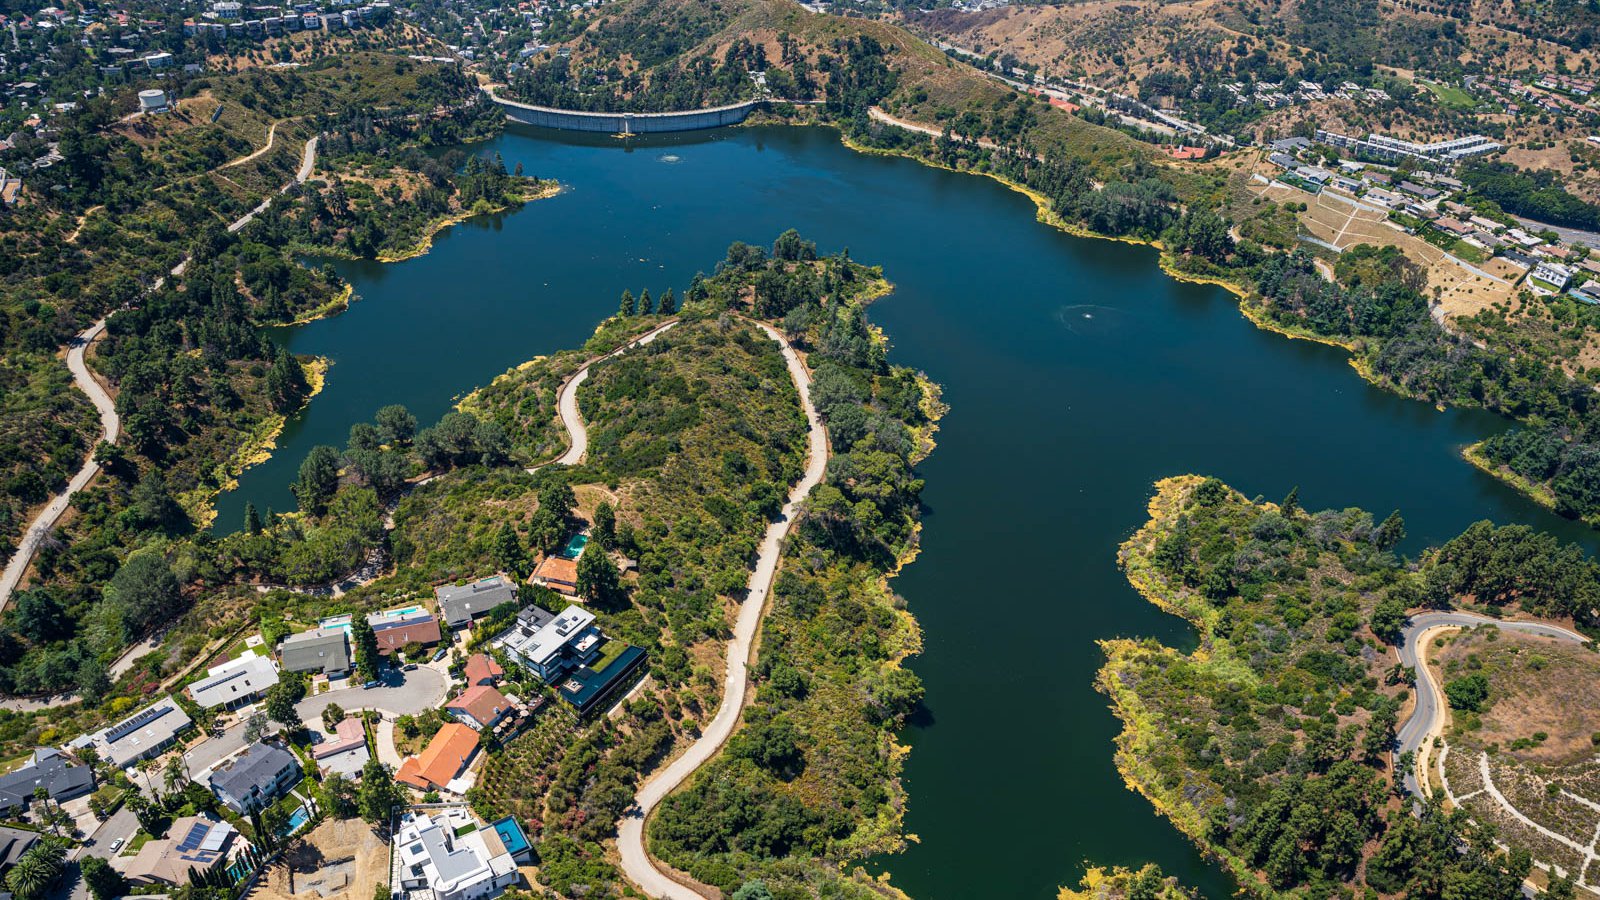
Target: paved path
point(1427, 720)
point(47, 518)
point(567, 401)
point(110, 426)
point(636, 861)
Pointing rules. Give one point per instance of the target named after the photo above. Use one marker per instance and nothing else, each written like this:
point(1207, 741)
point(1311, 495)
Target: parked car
point(440, 655)
point(372, 684)
point(410, 667)
point(116, 845)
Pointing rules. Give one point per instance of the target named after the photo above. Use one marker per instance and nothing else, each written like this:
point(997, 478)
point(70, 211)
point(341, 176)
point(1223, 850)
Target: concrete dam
point(624, 123)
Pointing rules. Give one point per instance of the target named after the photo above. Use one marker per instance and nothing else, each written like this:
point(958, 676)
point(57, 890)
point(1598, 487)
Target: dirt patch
point(337, 860)
point(1537, 685)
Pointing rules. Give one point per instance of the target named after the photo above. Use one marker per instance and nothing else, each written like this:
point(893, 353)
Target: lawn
point(608, 655)
point(1450, 96)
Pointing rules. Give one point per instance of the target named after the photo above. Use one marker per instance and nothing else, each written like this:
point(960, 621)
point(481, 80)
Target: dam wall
point(625, 123)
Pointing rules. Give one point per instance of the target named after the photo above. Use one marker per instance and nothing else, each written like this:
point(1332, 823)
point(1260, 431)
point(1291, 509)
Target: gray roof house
point(459, 604)
point(47, 768)
point(255, 778)
point(143, 735)
point(13, 843)
point(321, 650)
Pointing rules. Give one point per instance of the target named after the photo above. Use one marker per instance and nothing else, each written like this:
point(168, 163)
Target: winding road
point(1427, 720)
point(110, 426)
point(567, 401)
point(636, 861)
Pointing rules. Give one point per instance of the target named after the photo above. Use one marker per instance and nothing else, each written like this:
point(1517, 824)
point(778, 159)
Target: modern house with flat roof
point(459, 604)
point(569, 652)
point(445, 758)
point(192, 843)
point(47, 768)
point(324, 650)
point(437, 852)
point(235, 683)
point(397, 628)
point(143, 735)
point(255, 778)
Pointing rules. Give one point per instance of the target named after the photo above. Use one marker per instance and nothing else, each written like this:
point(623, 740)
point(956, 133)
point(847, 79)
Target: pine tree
point(1391, 532)
point(627, 307)
point(252, 519)
point(1291, 503)
point(669, 303)
point(646, 305)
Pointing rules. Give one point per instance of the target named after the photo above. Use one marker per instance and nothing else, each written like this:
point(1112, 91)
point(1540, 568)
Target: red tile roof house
point(482, 669)
point(480, 706)
point(396, 630)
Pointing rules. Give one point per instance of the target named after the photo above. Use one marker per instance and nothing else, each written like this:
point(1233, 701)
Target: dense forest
point(1272, 744)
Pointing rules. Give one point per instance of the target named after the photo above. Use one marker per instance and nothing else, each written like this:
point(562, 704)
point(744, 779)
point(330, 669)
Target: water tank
point(152, 100)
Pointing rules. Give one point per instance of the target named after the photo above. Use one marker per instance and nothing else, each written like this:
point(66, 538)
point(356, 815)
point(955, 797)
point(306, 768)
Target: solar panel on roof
point(192, 840)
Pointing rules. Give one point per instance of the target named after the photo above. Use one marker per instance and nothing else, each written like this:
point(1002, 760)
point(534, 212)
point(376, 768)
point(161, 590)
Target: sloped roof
point(443, 759)
point(482, 669)
point(482, 702)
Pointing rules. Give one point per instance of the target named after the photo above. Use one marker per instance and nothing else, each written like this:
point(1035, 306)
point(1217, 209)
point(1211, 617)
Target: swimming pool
point(574, 548)
point(298, 819)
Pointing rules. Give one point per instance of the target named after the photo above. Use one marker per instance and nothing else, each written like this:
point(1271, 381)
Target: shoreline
point(544, 190)
point(255, 449)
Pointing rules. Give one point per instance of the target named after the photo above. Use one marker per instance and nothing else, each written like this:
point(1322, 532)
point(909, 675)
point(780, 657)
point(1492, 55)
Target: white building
point(235, 682)
point(1554, 274)
point(431, 854)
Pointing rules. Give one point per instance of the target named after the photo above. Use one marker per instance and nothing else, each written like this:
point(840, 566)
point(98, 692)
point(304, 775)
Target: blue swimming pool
point(574, 548)
point(298, 819)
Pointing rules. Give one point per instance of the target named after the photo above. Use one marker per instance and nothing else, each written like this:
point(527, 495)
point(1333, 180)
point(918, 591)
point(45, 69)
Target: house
point(568, 652)
point(1417, 190)
point(1290, 144)
point(235, 683)
point(143, 735)
point(324, 650)
point(47, 768)
point(482, 669)
point(559, 574)
point(255, 778)
point(1454, 226)
point(193, 843)
point(347, 753)
point(480, 706)
point(445, 757)
point(13, 843)
point(460, 604)
point(397, 628)
point(1554, 274)
point(1383, 198)
point(1282, 160)
point(450, 860)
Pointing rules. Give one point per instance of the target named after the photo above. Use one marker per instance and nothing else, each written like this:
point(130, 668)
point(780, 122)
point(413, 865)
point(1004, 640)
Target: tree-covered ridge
point(1271, 745)
point(810, 782)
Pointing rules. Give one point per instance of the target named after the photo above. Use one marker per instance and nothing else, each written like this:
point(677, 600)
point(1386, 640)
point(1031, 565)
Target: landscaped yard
point(1450, 95)
point(608, 655)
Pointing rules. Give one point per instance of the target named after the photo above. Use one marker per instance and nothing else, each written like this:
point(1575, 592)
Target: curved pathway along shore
point(567, 401)
point(1427, 719)
point(636, 861)
point(111, 426)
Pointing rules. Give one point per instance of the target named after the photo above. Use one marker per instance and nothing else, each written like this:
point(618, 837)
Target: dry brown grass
point(337, 860)
point(1537, 684)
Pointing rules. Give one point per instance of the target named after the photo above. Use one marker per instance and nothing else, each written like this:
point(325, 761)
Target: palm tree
point(176, 774)
point(35, 871)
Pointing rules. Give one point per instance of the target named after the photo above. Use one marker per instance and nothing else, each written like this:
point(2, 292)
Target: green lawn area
point(466, 829)
point(608, 655)
point(1450, 96)
point(132, 847)
point(1468, 252)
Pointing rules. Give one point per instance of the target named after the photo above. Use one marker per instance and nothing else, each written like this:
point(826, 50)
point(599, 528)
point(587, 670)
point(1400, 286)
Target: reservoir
point(1077, 374)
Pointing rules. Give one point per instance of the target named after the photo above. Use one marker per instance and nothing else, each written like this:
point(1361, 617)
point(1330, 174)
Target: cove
point(1077, 374)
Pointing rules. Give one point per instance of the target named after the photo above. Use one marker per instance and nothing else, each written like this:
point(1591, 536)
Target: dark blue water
point(1076, 372)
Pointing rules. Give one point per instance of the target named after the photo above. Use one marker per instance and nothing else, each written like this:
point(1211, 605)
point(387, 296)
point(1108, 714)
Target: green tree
point(669, 304)
point(319, 479)
point(252, 519)
point(1469, 692)
point(627, 307)
point(332, 715)
point(339, 796)
point(397, 425)
point(104, 882)
point(366, 646)
point(379, 792)
point(646, 305)
point(605, 526)
point(598, 579)
point(509, 554)
point(280, 705)
point(36, 870)
point(1390, 533)
point(153, 505)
